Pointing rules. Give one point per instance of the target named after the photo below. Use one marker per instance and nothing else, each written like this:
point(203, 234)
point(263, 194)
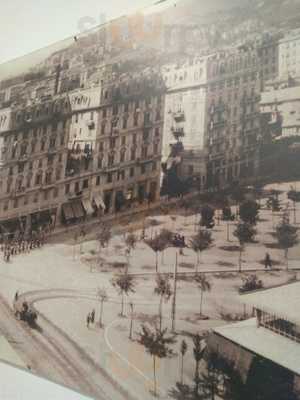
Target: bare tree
point(157, 344)
point(104, 236)
point(102, 296)
point(163, 290)
point(204, 285)
point(124, 284)
point(166, 238)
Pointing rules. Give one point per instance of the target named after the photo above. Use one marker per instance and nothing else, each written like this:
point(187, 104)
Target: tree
point(157, 244)
point(124, 284)
point(167, 239)
point(249, 211)
point(130, 242)
point(198, 352)
point(157, 344)
point(102, 296)
point(287, 237)
point(163, 290)
point(200, 242)
point(204, 285)
point(183, 350)
point(207, 216)
point(104, 236)
point(245, 233)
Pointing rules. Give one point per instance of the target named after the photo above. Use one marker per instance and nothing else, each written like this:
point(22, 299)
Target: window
point(43, 145)
point(55, 192)
point(115, 109)
point(38, 178)
point(123, 142)
point(131, 172)
point(143, 169)
point(132, 154)
point(98, 180)
point(157, 133)
point(103, 126)
point(104, 113)
point(100, 162)
point(124, 126)
point(122, 156)
point(136, 119)
point(85, 184)
point(109, 177)
point(155, 148)
point(77, 188)
point(111, 160)
point(134, 138)
point(126, 107)
point(67, 188)
point(20, 167)
point(16, 203)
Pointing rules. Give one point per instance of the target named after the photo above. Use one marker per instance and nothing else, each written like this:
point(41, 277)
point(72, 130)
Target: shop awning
point(87, 206)
point(78, 209)
point(99, 201)
point(68, 211)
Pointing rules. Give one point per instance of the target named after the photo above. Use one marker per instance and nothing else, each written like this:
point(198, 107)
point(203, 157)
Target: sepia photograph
point(150, 200)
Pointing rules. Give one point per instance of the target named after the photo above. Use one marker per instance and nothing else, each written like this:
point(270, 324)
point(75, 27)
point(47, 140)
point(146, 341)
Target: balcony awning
point(78, 209)
point(87, 206)
point(99, 201)
point(68, 211)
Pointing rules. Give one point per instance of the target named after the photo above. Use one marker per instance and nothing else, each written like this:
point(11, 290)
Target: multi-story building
point(280, 112)
point(129, 139)
point(33, 160)
point(185, 104)
point(233, 123)
point(268, 51)
point(289, 54)
point(73, 155)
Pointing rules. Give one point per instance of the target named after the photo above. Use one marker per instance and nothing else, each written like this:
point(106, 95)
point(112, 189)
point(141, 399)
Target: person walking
point(93, 316)
point(268, 261)
point(88, 320)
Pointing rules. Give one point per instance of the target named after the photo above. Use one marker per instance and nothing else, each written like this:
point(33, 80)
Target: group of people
point(179, 240)
point(19, 244)
point(90, 319)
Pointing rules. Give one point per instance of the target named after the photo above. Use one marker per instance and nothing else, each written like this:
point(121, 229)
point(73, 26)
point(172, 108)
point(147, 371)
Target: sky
point(27, 25)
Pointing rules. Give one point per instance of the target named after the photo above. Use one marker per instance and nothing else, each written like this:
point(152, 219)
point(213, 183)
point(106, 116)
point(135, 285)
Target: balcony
point(91, 124)
point(179, 116)
point(177, 132)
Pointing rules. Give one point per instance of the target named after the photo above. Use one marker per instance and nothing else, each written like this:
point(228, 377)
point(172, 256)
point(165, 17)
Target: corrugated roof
point(264, 342)
point(282, 301)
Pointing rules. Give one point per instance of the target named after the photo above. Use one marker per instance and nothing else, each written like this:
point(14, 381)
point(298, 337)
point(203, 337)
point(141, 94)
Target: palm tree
point(198, 352)
point(102, 296)
point(204, 285)
point(162, 289)
point(124, 284)
point(157, 344)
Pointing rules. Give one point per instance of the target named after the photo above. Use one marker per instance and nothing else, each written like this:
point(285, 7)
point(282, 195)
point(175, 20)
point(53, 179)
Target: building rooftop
point(264, 342)
point(282, 301)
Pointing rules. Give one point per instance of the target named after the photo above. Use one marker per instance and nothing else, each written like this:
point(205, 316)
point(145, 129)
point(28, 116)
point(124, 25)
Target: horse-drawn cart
point(24, 313)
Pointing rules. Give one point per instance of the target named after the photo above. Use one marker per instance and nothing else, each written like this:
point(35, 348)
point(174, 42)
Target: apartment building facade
point(233, 122)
